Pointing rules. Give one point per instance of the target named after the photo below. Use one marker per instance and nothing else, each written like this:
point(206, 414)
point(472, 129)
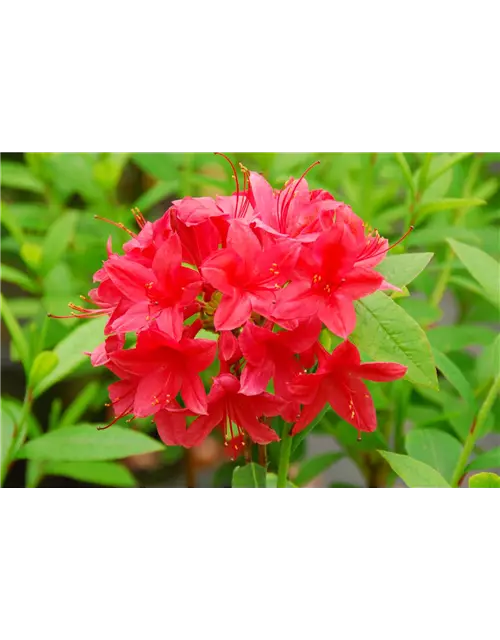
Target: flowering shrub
point(258, 316)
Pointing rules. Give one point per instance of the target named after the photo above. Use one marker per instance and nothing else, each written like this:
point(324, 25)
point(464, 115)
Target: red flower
point(247, 275)
point(328, 282)
point(338, 382)
point(236, 414)
point(272, 354)
point(160, 368)
point(160, 293)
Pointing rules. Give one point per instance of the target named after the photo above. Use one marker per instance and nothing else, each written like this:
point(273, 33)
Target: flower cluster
point(264, 271)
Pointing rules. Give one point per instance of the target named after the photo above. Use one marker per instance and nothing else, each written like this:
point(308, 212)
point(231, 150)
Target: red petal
point(232, 312)
point(254, 379)
point(351, 400)
point(382, 371)
point(193, 394)
point(339, 316)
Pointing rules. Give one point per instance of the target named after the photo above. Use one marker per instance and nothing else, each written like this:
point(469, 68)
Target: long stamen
point(395, 244)
point(288, 202)
point(119, 225)
point(115, 420)
point(235, 176)
point(139, 218)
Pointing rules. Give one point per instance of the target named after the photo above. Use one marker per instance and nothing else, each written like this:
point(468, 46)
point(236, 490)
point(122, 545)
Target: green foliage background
point(52, 244)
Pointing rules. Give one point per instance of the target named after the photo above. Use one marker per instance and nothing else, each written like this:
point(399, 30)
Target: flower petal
point(382, 371)
point(232, 312)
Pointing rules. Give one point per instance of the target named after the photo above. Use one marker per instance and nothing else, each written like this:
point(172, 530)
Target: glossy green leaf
point(71, 351)
point(385, 332)
point(85, 442)
point(15, 331)
point(487, 460)
point(484, 268)
point(316, 465)
point(436, 448)
point(57, 240)
point(415, 474)
point(484, 481)
point(249, 476)
point(16, 175)
point(400, 270)
point(31, 253)
point(421, 310)
point(272, 482)
point(34, 473)
point(107, 474)
point(43, 365)
point(9, 274)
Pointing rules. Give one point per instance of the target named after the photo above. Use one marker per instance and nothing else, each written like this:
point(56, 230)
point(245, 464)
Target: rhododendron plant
point(263, 272)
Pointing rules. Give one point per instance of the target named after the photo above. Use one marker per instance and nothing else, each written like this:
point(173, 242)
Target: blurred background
point(52, 244)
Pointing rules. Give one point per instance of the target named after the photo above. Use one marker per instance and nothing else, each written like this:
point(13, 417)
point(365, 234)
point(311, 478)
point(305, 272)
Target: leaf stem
point(285, 451)
point(21, 429)
point(475, 432)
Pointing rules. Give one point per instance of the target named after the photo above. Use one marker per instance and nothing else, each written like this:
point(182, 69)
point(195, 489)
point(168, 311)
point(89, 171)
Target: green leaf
point(488, 362)
point(34, 473)
point(158, 192)
point(17, 176)
point(250, 476)
point(487, 460)
point(272, 482)
point(31, 253)
point(70, 351)
point(400, 270)
point(436, 448)
point(384, 331)
point(455, 377)
point(107, 474)
point(405, 168)
point(7, 431)
point(9, 274)
point(315, 466)
point(448, 204)
point(44, 364)
point(484, 268)
point(453, 160)
point(57, 240)
point(160, 165)
point(78, 407)
point(414, 473)
point(455, 338)
point(15, 331)
point(86, 442)
point(484, 481)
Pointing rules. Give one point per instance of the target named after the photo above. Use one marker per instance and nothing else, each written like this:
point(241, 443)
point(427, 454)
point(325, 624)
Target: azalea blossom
point(236, 290)
point(339, 382)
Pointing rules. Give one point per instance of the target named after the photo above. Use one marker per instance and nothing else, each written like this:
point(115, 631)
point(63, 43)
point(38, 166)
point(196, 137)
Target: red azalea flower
point(160, 368)
point(338, 382)
point(271, 354)
point(247, 275)
point(328, 283)
point(160, 293)
point(236, 414)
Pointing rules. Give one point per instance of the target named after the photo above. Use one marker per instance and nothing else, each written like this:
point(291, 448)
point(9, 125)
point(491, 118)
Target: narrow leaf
point(15, 331)
point(107, 474)
point(250, 476)
point(402, 269)
point(436, 448)
point(484, 268)
point(487, 460)
point(86, 442)
point(448, 204)
point(9, 274)
point(315, 466)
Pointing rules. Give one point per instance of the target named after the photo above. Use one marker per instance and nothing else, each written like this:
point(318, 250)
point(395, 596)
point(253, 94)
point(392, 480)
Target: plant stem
point(458, 221)
point(285, 451)
point(19, 436)
point(475, 432)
